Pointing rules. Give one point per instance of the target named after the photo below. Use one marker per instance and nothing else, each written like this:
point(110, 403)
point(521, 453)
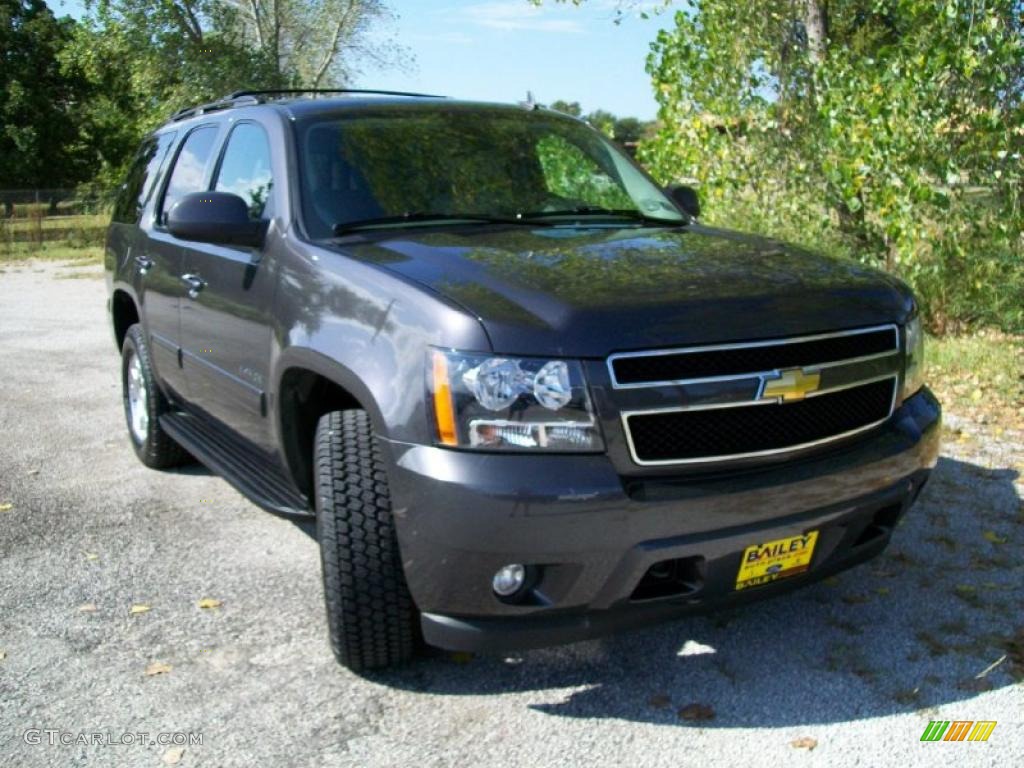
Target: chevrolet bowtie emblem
point(789, 385)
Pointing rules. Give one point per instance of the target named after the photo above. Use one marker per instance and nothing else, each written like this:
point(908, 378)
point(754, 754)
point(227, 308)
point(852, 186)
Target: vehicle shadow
point(934, 620)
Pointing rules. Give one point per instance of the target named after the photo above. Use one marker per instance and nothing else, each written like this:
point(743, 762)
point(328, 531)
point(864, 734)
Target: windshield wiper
point(603, 213)
point(345, 227)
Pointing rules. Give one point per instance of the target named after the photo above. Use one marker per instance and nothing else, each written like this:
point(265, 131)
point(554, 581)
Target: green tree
point(144, 59)
point(628, 130)
point(40, 144)
point(568, 107)
point(604, 122)
point(893, 132)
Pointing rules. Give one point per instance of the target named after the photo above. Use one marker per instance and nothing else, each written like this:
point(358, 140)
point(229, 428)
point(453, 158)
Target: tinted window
point(245, 169)
point(142, 177)
point(498, 163)
point(190, 167)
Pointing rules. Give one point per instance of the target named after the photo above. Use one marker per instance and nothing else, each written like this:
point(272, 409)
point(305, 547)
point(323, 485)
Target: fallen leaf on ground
point(91, 556)
point(157, 668)
point(6, 507)
point(994, 537)
point(697, 711)
point(139, 608)
point(173, 755)
point(804, 742)
point(208, 602)
point(659, 701)
point(882, 590)
point(3, 655)
point(87, 608)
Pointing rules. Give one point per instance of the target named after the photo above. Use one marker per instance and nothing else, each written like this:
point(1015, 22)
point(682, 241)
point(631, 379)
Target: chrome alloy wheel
point(138, 400)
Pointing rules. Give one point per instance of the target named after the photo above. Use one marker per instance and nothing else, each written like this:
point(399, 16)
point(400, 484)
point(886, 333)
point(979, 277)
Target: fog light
point(509, 580)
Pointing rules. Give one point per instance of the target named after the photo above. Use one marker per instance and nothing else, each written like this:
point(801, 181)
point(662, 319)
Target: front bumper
point(593, 535)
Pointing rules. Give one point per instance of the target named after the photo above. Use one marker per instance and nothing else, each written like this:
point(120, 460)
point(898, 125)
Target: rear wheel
point(370, 613)
point(144, 403)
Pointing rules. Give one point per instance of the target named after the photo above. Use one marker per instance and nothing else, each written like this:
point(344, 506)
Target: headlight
point(490, 402)
point(913, 371)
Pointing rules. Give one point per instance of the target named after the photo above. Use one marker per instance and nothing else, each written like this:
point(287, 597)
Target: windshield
point(422, 166)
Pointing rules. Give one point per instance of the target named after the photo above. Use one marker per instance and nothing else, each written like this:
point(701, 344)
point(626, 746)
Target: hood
point(589, 292)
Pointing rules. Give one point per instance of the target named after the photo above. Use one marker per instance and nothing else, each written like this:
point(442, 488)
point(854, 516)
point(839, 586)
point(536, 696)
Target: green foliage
point(623, 129)
point(77, 97)
point(146, 58)
point(892, 132)
point(40, 144)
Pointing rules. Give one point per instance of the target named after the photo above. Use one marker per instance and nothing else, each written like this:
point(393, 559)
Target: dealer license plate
point(774, 560)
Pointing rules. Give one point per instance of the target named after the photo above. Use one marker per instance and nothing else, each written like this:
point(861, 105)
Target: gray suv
point(527, 396)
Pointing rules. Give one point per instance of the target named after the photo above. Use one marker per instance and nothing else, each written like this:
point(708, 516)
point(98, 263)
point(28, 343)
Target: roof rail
point(213, 106)
point(246, 98)
point(366, 91)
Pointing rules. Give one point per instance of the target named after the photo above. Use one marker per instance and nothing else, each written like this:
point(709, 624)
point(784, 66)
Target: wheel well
point(304, 397)
point(125, 315)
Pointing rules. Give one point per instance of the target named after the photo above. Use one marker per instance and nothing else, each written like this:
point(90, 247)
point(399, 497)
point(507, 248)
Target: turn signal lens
point(443, 411)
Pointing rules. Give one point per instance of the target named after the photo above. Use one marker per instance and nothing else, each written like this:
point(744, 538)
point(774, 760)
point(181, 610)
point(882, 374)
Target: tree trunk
point(816, 26)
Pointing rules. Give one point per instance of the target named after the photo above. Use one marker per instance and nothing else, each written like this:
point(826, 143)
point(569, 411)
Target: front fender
point(368, 331)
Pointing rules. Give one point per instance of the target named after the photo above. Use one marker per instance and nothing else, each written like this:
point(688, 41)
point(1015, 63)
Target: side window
point(576, 178)
point(189, 168)
point(245, 168)
point(141, 179)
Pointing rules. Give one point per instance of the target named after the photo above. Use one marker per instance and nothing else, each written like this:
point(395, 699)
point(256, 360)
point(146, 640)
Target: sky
point(497, 50)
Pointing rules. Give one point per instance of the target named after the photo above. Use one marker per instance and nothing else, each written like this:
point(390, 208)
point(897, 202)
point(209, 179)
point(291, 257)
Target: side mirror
point(215, 217)
point(686, 198)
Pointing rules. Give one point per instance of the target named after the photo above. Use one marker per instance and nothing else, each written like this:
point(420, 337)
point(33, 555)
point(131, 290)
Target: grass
point(21, 252)
point(980, 376)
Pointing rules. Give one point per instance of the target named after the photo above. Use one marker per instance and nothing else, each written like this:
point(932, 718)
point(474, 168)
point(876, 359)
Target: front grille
point(689, 435)
point(649, 368)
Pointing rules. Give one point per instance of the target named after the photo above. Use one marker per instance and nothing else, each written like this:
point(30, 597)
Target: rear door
point(225, 325)
point(129, 238)
point(163, 257)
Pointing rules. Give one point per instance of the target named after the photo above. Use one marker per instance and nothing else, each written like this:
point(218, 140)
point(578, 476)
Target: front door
point(225, 321)
point(159, 258)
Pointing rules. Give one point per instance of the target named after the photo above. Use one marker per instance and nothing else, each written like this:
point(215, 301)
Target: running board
point(255, 477)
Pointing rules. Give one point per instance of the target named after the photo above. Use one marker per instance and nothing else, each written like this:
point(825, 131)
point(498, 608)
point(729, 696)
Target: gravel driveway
point(856, 666)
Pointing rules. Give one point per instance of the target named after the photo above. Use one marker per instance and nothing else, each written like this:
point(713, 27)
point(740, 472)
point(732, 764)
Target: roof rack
point(364, 91)
point(248, 98)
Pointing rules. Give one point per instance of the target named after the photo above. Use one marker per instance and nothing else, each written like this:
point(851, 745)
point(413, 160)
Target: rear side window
point(245, 169)
point(189, 169)
point(142, 177)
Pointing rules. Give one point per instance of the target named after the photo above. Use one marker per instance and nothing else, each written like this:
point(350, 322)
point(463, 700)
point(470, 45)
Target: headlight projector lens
point(551, 385)
point(495, 383)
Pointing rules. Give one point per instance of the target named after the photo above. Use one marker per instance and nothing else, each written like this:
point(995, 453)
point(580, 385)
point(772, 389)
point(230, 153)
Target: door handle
point(195, 284)
point(143, 264)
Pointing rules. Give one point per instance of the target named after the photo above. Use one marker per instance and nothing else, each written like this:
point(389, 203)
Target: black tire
point(154, 447)
point(372, 620)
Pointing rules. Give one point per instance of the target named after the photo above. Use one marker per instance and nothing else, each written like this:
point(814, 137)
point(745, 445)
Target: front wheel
point(370, 613)
point(144, 403)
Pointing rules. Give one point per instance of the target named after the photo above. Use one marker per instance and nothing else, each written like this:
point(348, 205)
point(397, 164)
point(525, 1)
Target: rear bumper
point(593, 535)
